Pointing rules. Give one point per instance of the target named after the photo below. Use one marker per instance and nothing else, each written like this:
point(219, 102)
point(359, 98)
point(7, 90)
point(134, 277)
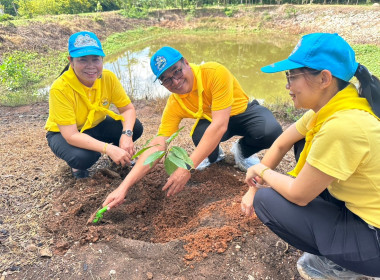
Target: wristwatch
point(191, 169)
point(127, 132)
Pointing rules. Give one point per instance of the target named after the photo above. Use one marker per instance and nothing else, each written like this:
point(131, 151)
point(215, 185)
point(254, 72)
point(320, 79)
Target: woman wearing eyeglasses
point(80, 125)
point(331, 208)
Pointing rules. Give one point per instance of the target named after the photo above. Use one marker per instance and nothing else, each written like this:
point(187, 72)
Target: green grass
point(369, 56)
point(119, 41)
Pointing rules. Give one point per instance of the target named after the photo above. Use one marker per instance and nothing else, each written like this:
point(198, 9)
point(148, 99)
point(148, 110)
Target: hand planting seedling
point(97, 216)
point(174, 156)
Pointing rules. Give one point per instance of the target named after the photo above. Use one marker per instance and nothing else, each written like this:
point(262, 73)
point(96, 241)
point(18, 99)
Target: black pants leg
point(257, 125)
point(108, 131)
point(323, 227)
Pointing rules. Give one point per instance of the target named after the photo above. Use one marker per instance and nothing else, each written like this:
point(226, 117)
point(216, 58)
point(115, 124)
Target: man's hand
point(115, 198)
point(177, 181)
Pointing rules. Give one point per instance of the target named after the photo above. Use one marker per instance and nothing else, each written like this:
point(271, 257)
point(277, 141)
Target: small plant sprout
point(99, 215)
point(174, 156)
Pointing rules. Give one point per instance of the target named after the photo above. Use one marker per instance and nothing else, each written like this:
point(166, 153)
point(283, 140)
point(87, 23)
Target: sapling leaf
point(179, 152)
point(177, 161)
point(182, 154)
point(142, 151)
point(174, 157)
point(173, 136)
point(170, 167)
point(153, 157)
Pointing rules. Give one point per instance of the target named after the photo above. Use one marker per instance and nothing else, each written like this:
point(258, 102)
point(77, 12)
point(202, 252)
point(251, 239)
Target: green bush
point(135, 12)
point(15, 75)
point(230, 12)
point(5, 17)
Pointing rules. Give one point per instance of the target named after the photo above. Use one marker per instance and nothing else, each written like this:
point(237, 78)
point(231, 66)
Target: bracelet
point(105, 148)
point(262, 172)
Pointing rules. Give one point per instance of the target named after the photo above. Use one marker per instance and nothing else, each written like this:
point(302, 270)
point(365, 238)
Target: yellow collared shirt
point(221, 90)
point(67, 107)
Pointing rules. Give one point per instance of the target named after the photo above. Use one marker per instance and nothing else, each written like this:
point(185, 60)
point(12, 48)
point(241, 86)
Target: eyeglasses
point(291, 77)
point(177, 74)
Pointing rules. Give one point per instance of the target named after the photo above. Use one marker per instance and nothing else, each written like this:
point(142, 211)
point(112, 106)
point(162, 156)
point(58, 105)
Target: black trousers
point(257, 125)
point(108, 131)
point(324, 227)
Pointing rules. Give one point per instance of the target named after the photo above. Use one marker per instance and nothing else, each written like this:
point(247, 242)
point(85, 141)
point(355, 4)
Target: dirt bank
point(357, 24)
point(199, 234)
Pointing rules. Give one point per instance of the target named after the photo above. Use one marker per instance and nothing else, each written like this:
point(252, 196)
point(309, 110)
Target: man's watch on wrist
point(191, 169)
point(127, 132)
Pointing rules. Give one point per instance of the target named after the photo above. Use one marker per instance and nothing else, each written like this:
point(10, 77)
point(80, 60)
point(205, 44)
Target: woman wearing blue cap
point(331, 209)
point(80, 125)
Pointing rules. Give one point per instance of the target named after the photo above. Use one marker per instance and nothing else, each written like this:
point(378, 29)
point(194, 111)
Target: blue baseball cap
point(84, 43)
point(163, 59)
point(320, 51)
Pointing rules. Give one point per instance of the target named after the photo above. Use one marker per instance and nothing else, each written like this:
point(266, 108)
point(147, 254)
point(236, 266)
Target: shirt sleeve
point(301, 124)
point(61, 108)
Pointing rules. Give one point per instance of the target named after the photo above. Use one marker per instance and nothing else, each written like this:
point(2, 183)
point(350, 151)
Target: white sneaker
point(312, 267)
point(243, 163)
point(206, 163)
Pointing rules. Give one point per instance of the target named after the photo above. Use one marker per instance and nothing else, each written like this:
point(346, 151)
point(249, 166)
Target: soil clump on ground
point(198, 234)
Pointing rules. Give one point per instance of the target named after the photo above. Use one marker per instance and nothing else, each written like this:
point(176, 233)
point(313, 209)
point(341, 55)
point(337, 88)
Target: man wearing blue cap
point(331, 209)
point(210, 94)
point(80, 125)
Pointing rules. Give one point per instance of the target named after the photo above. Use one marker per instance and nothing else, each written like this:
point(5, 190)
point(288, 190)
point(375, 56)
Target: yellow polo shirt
point(221, 90)
point(347, 147)
point(67, 107)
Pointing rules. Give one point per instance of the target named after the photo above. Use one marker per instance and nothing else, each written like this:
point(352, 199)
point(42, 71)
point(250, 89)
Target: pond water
point(243, 55)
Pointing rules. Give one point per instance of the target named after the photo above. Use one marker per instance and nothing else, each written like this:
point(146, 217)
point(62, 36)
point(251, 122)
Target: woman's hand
point(247, 201)
point(252, 177)
point(118, 155)
point(115, 198)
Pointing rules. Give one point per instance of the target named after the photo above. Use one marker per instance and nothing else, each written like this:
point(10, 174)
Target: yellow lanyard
point(70, 77)
point(199, 114)
point(346, 99)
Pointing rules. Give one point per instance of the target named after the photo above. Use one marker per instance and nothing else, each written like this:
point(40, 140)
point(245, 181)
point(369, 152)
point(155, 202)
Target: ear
point(326, 78)
point(70, 61)
point(185, 61)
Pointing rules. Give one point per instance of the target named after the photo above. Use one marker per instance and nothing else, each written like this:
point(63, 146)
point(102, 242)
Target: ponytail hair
point(369, 88)
point(64, 69)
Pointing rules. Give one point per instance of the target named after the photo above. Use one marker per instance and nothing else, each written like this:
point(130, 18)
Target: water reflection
point(243, 55)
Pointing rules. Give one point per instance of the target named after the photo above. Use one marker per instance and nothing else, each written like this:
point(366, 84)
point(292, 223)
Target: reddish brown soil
point(198, 234)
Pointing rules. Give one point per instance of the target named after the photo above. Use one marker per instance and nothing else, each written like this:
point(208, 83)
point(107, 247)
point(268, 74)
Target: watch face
point(128, 132)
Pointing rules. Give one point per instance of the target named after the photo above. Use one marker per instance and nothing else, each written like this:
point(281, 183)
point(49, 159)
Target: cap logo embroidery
point(296, 47)
point(160, 62)
point(85, 41)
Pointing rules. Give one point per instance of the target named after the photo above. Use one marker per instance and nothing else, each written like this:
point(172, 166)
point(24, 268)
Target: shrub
point(5, 17)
